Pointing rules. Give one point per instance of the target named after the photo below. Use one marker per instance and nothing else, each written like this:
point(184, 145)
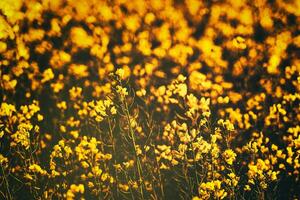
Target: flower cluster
point(149, 99)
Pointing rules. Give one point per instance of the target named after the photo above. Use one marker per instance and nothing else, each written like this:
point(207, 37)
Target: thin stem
point(6, 184)
point(114, 152)
point(139, 167)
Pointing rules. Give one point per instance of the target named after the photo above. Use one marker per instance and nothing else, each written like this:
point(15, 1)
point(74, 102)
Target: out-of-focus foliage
point(149, 99)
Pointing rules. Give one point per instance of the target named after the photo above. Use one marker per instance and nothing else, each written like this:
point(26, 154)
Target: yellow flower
point(247, 188)
point(37, 169)
point(75, 92)
point(8, 82)
point(120, 73)
point(104, 177)
point(22, 135)
point(123, 187)
point(62, 105)
point(239, 43)
point(141, 93)
point(47, 75)
point(181, 89)
point(28, 176)
point(74, 189)
point(80, 37)
point(78, 70)
point(229, 156)
point(122, 91)
point(3, 160)
point(40, 117)
point(7, 109)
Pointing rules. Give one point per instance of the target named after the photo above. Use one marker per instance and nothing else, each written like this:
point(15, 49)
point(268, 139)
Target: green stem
point(6, 183)
point(139, 167)
point(114, 153)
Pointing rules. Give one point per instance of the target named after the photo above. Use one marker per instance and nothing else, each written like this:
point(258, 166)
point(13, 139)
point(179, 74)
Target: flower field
point(149, 99)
